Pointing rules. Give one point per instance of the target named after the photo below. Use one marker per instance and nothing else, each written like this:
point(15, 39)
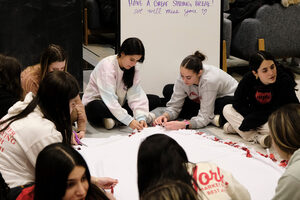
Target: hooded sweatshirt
point(289, 183)
point(22, 141)
point(106, 84)
point(214, 83)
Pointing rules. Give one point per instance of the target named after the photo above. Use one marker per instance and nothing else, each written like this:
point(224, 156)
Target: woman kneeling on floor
point(198, 95)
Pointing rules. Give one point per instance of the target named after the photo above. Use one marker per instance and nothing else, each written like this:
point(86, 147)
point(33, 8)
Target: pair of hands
point(134, 124)
point(172, 125)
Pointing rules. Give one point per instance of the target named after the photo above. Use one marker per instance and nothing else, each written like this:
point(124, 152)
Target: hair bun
point(200, 55)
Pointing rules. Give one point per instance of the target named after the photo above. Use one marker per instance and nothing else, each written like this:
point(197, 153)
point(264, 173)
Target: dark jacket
point(256, 101)
point(6, 101)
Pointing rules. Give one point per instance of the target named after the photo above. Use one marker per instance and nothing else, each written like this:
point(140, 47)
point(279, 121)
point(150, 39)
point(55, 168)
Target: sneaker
point(109, 123)
point(150, 118)
point(216, 121)
point(264, 140)
point(227, 128)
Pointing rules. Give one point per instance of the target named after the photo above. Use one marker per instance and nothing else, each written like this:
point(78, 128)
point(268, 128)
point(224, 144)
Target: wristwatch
point(187, 124)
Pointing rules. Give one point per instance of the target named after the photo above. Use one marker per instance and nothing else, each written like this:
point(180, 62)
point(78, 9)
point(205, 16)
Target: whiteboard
point(170, 31)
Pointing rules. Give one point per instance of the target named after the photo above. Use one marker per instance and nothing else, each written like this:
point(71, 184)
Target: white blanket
point(116, 157)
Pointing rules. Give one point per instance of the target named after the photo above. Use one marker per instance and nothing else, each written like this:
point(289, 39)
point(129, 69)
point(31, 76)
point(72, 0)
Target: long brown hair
point(285, 128)
point(53, 53)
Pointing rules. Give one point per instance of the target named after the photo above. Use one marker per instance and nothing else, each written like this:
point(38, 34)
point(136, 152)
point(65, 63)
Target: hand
point(160, 120)
point(81, 134)
point(174, 125)
point(73, 140)
point(143, 123)
point(134, 124)
point(104, 182)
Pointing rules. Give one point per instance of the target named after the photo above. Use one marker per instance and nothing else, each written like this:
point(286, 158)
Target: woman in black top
point(267, 87)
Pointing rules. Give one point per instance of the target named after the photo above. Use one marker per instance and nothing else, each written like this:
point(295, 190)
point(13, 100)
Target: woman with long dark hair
point(34, 123)
point(114, 92)
point(264, 89)
point(61, 173)
point(53, 58)
point(10, 84)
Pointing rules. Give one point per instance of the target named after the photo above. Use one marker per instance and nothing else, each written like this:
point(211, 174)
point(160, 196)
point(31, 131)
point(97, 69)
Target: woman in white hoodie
point(33, 124)
point(114, 92)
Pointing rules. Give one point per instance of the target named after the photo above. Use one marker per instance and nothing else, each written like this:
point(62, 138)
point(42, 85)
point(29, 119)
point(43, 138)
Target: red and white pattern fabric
point(116, 157)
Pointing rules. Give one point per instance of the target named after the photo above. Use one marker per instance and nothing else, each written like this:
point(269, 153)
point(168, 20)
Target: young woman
point(200, 92)
point(170, 190)
point(161, 158)
point(264, 89)
point(61, 173)
point(285, 133)
point(10, 84)
point(32, 124)
point(53, 58)
point(114, 91)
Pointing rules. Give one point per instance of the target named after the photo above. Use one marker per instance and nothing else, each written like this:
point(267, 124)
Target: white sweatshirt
point(216, 183)
point(22, 141)
point(106, 83)
point(214, 83)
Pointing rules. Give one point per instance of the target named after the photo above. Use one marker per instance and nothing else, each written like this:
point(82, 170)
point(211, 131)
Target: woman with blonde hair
point(285, 133)
point(170, 190)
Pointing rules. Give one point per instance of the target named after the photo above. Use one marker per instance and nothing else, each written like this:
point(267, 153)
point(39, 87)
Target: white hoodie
point(22, 141)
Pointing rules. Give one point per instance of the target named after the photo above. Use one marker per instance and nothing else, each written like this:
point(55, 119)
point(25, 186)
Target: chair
point(100, 19)
point(274, 28)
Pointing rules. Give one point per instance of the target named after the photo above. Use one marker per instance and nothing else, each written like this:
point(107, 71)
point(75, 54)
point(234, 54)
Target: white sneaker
point(227, 128)
point(216, 121)
point(109, 123)
point(264, 140)
point(150, 118)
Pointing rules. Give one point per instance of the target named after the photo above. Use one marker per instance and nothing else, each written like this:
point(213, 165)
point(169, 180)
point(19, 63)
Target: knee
point(227, 109)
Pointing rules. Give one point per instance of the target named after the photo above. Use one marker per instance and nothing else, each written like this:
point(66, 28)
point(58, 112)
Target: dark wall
point(28, 26)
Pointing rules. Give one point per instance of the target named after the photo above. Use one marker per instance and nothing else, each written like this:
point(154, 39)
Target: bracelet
point(187, 124)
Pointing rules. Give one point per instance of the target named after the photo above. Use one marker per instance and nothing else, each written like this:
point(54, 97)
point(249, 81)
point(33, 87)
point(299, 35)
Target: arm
point(207, 105)
point(241, 103)
point(137, 99)
point(28, 81)
point(176, 102)
point(235, 190)
point(107, 85)
point(33, 151)
point(81, 117)
point(287, 188)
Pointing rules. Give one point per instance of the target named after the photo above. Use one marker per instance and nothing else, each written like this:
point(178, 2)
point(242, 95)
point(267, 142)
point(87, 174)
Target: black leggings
point(96, 110)
point(191, 108)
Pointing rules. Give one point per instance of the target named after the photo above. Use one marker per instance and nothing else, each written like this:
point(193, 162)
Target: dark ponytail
point(194, 62)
